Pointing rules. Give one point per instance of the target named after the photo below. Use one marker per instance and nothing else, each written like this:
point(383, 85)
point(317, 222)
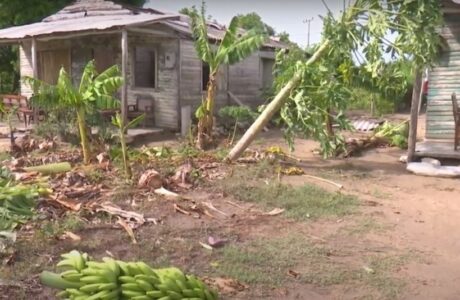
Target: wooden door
point(50, 63)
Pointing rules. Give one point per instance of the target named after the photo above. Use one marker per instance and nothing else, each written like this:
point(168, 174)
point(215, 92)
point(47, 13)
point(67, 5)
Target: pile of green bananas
point(113, 279)
point(17, 201)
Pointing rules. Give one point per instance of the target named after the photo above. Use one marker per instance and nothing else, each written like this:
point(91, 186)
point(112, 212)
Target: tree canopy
point(252, 21)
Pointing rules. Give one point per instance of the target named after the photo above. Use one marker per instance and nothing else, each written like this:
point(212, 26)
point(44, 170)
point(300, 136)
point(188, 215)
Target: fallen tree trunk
point(273, 107)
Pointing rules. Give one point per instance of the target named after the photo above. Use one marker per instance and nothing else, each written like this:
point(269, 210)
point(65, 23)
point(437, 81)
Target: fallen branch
point(212, 207)
point(339, 186)
point(167, 193)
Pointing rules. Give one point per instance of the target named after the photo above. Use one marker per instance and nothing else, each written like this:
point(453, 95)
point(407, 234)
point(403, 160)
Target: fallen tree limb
point(274, 106)
point(339, 186)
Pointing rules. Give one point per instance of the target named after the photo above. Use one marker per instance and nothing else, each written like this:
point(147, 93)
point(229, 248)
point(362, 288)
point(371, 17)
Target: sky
point(283, 15)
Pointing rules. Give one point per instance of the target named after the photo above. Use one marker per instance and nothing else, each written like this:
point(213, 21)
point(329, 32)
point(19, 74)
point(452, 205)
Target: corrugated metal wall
point(443, 81)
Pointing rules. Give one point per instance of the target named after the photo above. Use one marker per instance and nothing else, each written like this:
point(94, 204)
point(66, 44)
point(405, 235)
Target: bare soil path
point(423, 214)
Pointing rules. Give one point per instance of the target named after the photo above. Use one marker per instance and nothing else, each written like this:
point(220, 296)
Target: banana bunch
point(111, 279)
point(140, 282)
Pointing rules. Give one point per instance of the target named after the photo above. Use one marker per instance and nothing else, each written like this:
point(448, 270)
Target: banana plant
point(94, 88)
point(233, 48)
point(122, 129)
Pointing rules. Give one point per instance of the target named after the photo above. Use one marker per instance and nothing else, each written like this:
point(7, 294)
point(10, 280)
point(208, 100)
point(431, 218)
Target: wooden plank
point(436, 150)
point(416, 99)
point(35, 72)
point(124, 74)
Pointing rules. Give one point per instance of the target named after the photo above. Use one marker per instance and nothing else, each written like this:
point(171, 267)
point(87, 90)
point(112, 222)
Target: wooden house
point(444, 79)
point(154, 49)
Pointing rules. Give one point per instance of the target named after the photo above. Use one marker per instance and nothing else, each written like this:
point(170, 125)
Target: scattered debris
point(226, 286)
point(181, 210)
point(206, 246)
point(216, 242)
point(70, 235)
point(150, 179)
point(366, 125)
point(293, 273)
point(102, 157)
point(212, 207)
point(368, 270)
point(403, 159)
point(182, 176)
point(167, 193)
point(128, 229)
point(292, 171)
point(114, 210)
point(275, 212)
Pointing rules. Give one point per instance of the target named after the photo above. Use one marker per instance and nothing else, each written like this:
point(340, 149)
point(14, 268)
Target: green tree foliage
point(232, 49)
point(14, 13)
point(367, 32)
point(364, 28)
point(252, 21)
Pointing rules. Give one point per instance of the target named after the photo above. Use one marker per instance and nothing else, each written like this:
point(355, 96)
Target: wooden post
point(124, 74)
point(35, 75)
point(414, 113)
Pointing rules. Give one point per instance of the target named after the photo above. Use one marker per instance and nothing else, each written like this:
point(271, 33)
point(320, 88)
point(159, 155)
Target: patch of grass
point(381, 195)
point(95, 176)
point(301, 203)
point(4, 156)
point(364, 226)
point(380, 276)
point(53, 228)
point(267, 262)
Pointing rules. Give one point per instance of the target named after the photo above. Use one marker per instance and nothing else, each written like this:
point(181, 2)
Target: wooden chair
point(10, 102)
point(456, 120)
point(144, 105)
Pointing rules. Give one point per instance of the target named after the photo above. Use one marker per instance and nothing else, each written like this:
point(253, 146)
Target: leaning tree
point(368, 32)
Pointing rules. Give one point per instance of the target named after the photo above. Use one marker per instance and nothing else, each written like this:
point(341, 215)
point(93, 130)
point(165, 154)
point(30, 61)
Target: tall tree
point(230, 50)
point(252, 21)
point(361, 32)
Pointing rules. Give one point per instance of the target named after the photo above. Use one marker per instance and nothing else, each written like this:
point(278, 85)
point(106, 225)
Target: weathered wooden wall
point(444, 79)
point(245, 80)
point(166, 92)
point(164, 95)
point(179, 71)
point(191, 89)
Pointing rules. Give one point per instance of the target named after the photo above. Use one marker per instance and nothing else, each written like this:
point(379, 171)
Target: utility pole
point(308, 21)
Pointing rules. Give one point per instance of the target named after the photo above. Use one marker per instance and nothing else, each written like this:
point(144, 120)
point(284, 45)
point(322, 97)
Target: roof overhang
point(86, 25)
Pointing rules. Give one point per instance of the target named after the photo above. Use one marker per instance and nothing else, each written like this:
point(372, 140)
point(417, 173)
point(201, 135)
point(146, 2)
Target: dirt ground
point(420, 214)
point(399, 242)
